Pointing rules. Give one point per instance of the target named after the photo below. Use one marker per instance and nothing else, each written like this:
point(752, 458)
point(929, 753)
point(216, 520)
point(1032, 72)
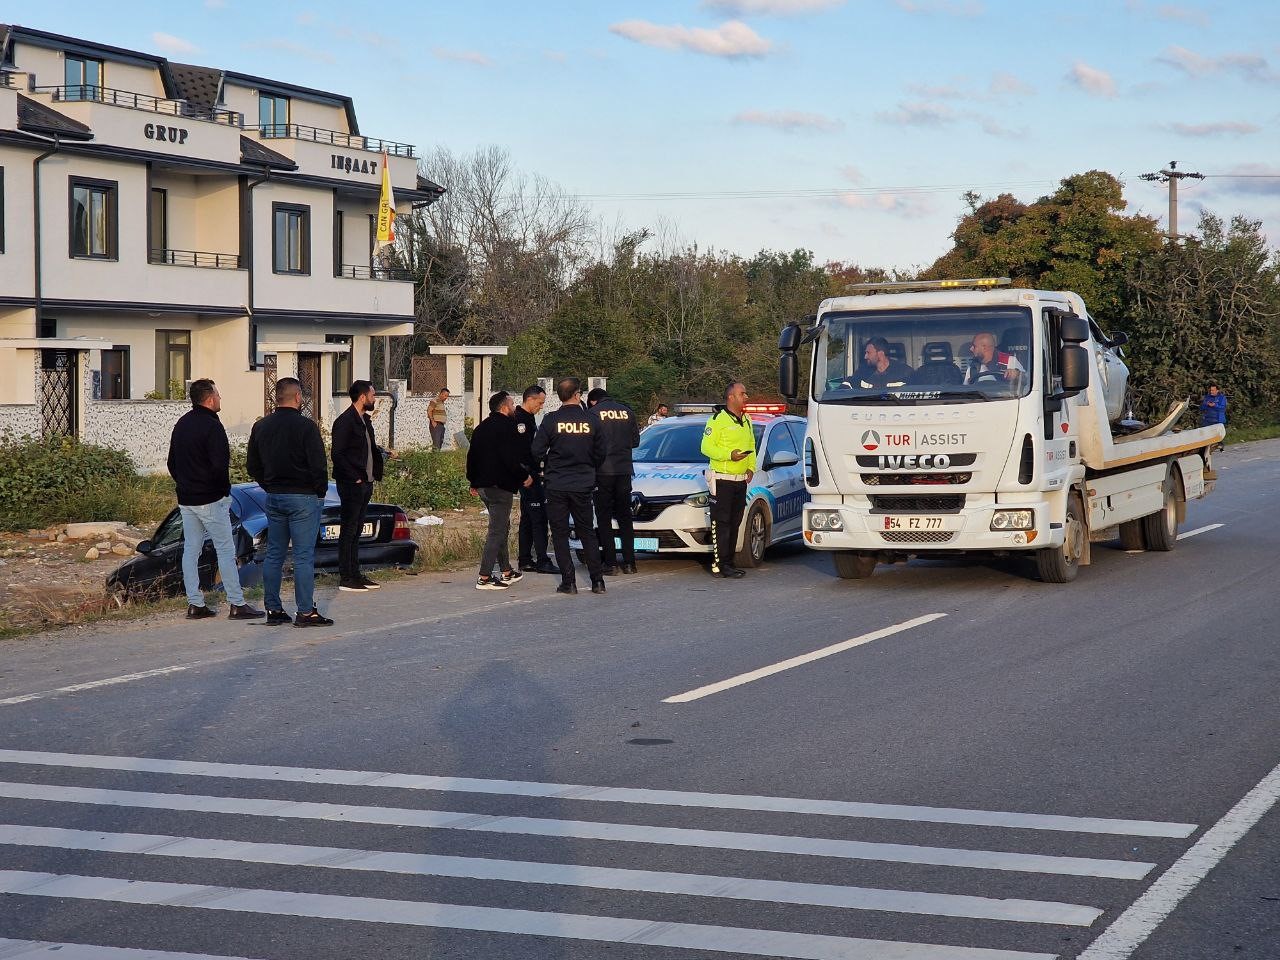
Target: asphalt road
point(996, 769)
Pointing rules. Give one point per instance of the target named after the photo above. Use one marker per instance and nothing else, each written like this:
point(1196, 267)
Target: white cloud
point(171, 44)
point(918, 114)
point(770, 8)
point(473, 57)
point(907, 206)
point(951, 8)
point(1006, 84)
point(1092, 80)
point(1001, 85)
point(937, 91)
point(732, 39)
point(1220, 128)
point(1251, 66)
point(852, 174)
point(789, 121)
point(1173, 12)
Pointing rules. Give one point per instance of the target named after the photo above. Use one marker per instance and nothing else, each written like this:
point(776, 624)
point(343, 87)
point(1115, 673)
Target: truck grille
point(908, 479)
point(946, 503)
point(918, 536)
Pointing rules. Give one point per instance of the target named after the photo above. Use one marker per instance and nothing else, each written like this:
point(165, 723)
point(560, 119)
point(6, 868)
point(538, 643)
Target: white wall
point(49, 69)
point(17, 263)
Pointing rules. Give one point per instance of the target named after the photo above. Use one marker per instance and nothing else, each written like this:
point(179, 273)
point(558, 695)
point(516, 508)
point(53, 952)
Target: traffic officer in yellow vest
point(730, 444)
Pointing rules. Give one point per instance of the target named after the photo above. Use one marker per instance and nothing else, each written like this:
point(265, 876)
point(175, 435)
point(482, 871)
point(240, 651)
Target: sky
point(850, 128)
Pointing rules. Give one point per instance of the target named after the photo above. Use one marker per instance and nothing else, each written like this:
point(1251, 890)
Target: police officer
point(621, 431)
point(571, 446)
point(730, 444)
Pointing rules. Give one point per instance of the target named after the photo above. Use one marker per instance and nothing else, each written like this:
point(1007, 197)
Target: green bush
point(425, 480)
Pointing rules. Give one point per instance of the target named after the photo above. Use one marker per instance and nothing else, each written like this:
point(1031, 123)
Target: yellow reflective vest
point(724, 434)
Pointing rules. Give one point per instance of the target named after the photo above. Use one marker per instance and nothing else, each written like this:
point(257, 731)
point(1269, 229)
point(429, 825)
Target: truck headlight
point(698, 499)
point(1013, 520)
point(825, 520)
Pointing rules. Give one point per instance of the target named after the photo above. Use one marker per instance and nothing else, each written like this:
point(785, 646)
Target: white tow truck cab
point(964, 416)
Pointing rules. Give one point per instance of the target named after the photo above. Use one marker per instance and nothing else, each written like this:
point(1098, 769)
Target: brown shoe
point(199, 613)
point(245, 612)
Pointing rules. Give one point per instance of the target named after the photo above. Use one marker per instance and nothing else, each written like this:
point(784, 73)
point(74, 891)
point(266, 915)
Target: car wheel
point(755, 539)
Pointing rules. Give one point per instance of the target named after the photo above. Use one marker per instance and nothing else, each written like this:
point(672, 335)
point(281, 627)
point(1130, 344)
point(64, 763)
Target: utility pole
point(1171, 177)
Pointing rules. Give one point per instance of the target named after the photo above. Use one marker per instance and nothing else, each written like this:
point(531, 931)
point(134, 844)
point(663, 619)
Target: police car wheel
point(755, 538)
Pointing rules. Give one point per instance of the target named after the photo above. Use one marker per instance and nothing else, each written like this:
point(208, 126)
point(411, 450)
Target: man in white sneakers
point(496, 471)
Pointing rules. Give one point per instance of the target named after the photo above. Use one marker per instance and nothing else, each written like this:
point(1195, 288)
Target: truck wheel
point(1061, 564)
point(1161, 528)
point(1131, 536)
point(852, 565)
point(755, 538)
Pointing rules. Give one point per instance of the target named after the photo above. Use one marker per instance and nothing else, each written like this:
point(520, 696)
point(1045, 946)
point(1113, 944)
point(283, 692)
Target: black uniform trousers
point(355, 504)
point(533, 523)
point(728, 504)
point(560, 504)
point(613, 502)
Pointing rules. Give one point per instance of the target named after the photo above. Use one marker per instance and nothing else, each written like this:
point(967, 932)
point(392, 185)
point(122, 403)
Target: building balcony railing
point(6, 78)
point(358, 272)
point(77, 93)
point(196, 258)
point(336, 138)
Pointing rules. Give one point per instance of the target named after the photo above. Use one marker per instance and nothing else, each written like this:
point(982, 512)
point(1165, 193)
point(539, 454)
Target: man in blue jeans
point(286, 457)
point(200, 464)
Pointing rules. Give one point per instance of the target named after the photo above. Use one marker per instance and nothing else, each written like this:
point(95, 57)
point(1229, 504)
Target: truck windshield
point(948, 355)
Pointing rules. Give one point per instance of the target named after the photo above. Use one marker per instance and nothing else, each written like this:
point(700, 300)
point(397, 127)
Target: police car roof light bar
point(906, 286)
point(774, 408)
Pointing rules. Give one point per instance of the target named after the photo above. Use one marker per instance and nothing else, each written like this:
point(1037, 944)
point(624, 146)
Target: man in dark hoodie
point(357, 465)
point(495, 470)
point(200, 464)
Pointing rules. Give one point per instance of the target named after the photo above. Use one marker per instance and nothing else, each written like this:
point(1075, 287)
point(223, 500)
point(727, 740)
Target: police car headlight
point(1013, 520)
point(825, 520)
point(698, 499)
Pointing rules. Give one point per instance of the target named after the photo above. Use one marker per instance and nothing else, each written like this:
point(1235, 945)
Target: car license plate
point(920, 523)
point(332, 531)
point(647, 544)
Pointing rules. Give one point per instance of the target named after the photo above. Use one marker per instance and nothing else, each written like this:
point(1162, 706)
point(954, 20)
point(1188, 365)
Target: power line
point(1171, 177)
point(805, 192)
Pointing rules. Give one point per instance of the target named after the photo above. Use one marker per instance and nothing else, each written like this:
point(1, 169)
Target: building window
point(173, 363)
point(93, 218)
point(342, 376)
point(337, 243)
point(273, 115)
point(291, 238)
point(115, 374)
point(83, 78)
point(158, 223)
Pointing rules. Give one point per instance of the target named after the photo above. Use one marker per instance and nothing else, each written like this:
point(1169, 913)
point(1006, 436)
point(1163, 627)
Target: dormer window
point(273, 115)
point(82, 77)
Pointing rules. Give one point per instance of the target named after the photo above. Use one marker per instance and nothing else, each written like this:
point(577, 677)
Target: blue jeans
point(212, 520)
point(291, 517)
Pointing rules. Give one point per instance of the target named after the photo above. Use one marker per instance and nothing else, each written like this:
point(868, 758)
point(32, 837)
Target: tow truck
point(970, 416)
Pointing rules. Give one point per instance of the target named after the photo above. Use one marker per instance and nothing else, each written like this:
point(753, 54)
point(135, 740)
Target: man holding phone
point(729, 443)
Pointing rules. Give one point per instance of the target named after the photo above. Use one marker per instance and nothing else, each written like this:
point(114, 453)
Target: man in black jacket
point(532, 538)
point(495, 470)
point(621, 432)
point(571, 445)
point(200, 462)
point(286, 457)
point(357, 465)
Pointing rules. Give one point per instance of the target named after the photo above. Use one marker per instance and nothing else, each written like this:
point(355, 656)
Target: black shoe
point(491, 583)
point(731, 573)
point(199, 613)
point(609, 570)
point(545, 566)
point(312, 619)
point(528, 566)
point(597, 586)
point(276, 617)
point(628, 568)
point(370, 584)
point(352, 586)
point(245, 612)
point(512, 576)
point(567, 588)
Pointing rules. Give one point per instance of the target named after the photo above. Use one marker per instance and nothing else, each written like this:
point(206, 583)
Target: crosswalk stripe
point(751, 942)
point(522, 871)
point(34, 949)
point(561, 791)
point(588, 830)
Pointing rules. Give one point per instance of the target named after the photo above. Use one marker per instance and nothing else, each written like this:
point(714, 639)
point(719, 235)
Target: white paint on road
point(573, 875)
point(587, 830)
point(1131, 928)
point(801, 660)
point(657, 933)
point(34, 949)
point(1198, 530)
point(636, 795)
point(95, 684)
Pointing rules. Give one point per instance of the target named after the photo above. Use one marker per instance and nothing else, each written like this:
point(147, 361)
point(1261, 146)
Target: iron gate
point(58, 393)
point(309, 376)
point(268, 383)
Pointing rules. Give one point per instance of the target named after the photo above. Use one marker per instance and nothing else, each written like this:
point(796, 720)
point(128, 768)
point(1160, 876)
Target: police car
point(669, 499)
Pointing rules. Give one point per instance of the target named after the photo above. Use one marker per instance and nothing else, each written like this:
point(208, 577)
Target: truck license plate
point(920, 523)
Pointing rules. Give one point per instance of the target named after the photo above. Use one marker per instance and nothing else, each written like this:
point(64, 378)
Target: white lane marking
point(1131, 928)
point(87, 951)
point(1198, 530)
point(94, 684)
point(657, 933)
point(804, 658)
point(588, 830)
point(563, 791)
point(572, 875)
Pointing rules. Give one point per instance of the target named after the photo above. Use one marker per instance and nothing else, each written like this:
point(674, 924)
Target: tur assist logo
point(870, 440)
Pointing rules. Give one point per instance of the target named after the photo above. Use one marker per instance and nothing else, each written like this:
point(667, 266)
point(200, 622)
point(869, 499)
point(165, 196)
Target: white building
point(161, 222)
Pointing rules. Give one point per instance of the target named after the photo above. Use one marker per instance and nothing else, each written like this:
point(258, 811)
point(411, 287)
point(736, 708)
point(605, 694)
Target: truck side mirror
point(144, 547)
point(1073, 329)
point(789, 375)
point(789, 339)
point(1073, 359)
point(1118, 340)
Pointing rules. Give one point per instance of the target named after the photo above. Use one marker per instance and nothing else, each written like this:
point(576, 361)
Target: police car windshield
point(677, 440)
point(919, 356)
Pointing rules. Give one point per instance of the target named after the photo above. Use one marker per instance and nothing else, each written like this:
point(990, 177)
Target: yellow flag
point(386, 211)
